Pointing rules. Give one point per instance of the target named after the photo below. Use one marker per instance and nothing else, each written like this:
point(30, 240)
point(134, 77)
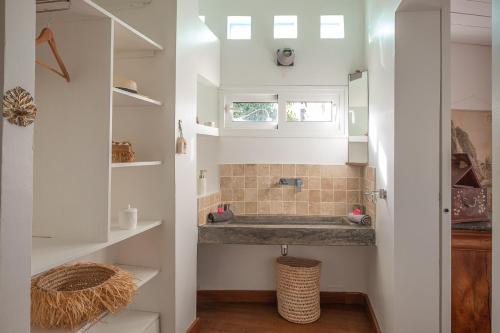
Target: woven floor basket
point(70, 296)
point(298, 289)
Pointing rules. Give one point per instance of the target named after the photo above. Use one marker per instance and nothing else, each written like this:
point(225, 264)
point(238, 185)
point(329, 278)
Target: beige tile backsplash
point(328, 189)
point(369, 184)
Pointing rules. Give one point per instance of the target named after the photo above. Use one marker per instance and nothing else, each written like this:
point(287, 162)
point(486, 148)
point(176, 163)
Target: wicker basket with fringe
point(70, 296)
point(298, 289)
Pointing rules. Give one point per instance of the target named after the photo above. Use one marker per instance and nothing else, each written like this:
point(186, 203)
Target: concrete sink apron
point(290, 230)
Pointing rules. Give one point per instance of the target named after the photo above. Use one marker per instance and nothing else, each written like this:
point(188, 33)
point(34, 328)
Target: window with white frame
point(297, 111)
point(332, 26)
point(251, 111)
point(239, 27)
point(302, 111)
point(285, 27)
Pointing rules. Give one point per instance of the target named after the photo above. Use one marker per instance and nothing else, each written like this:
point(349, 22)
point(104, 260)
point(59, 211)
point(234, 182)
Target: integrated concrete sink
point(290, 230)
point(290, 220)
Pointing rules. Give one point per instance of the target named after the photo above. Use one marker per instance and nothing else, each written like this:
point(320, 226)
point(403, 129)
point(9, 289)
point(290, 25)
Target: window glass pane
point(239, 27)
point(332, 26)
point(310, 111)
point(255, 111)
point(285, 26)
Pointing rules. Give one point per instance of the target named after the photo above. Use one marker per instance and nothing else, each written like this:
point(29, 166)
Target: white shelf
point(122, 98)
point(135, 164)
point(129, 321)
point(361, 138)
point(128, 39)
point(117, 235)
point(126, 321)
point(207, 130)
point(48, 253)
point(142, 275)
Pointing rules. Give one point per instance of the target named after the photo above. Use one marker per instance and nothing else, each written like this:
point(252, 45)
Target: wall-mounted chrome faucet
point(297, 182)
point(377, 194)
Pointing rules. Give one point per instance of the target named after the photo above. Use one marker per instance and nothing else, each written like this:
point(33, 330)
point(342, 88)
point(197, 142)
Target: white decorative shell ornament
point(18, 107)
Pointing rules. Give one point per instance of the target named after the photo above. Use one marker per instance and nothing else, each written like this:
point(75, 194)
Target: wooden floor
point(263, 318)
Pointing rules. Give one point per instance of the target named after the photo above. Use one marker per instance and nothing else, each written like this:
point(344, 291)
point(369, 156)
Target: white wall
point(380, 63)
point(207, 157)
point(219, 268)
point(470, 77)
point(404, 58)
point(283, 150)
point(193, 39)
point(417, 171)
point(318, 62)
point(207, 101)
point(17, 33)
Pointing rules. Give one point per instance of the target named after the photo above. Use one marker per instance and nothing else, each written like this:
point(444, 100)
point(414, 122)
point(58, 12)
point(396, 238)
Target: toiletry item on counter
point(202, 182)
point(223, 214)
point(358, 209)
point(360, 219)
point(127, 218)
point(209, 123)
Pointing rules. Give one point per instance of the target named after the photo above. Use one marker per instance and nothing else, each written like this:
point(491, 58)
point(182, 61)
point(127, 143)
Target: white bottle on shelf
point(127, 218)
point(202, 182)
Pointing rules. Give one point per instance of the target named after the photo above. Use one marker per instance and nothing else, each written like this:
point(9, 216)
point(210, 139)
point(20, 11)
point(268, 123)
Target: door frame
point(445, 197)
point(495, 58)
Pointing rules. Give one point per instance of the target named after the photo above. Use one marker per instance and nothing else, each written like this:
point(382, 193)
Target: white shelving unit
point(128, 321)
point(207, 130)
point(135, 164)
point(361, 138)
point(127, 39)
point(142, 275)
point(48, 253)
point(78, 192)
point(122, 98)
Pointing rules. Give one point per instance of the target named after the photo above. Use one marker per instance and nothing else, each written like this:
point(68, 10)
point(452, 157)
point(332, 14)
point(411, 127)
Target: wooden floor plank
point(263, 318)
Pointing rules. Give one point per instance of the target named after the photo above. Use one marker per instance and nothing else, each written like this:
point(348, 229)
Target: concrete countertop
point(291, 233)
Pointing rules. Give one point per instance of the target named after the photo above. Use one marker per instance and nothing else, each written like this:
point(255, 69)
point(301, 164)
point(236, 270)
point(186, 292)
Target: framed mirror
point(358, 118)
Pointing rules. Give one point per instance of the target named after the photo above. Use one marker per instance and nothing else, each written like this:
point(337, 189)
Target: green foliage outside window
point(255, 112)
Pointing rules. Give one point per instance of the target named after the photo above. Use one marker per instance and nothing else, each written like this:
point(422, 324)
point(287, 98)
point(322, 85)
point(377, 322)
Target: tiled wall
point(207, 204)
point(369, 185)
point(327, 190)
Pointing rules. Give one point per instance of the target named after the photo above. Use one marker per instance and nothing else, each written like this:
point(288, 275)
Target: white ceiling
point(471, 21)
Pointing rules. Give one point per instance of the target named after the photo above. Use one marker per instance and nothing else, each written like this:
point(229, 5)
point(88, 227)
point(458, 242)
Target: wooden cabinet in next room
point(471, 281)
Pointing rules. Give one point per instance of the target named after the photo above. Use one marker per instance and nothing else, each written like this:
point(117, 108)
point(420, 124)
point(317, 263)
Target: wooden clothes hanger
point(47, 36)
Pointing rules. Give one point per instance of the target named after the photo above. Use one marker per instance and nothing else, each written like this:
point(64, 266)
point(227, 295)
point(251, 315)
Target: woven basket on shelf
point(122, 152)
point(298, 289)
point(69, 296)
